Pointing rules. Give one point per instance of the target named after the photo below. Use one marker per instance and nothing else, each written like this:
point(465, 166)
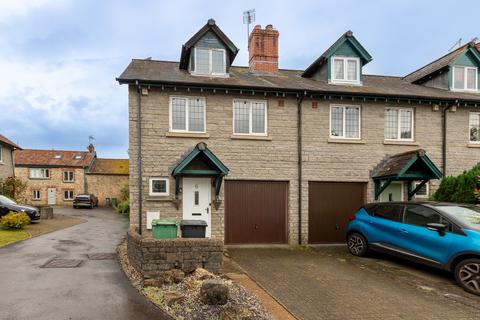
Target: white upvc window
point(399, 124)
point(36, 195)
point(250, 117)
point(423, 192)
point(210, 61)
point(187, 114)
point(1, 154)
point(68, 195)
point(158, 187)
point(474, 127)
point(68, 176)
point(39, 173)
point(465, 78)
point(345, 70)
point(345, 121)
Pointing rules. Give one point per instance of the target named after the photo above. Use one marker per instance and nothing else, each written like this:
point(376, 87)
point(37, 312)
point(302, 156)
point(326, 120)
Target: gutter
point(300, 158)
point(139, 157)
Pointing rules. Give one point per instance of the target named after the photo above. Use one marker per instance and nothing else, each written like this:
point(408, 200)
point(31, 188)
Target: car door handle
point(403, 231)
point(369, 221)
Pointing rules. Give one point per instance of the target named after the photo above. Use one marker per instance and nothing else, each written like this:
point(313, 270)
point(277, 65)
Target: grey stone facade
point(6, 165)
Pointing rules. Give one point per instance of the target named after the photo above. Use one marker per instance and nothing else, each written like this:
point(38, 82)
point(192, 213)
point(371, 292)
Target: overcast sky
point(59, 58)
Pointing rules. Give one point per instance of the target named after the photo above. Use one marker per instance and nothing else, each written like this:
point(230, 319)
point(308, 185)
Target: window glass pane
point(159, 186)
point(352, 122)
point(178, 114)
point(241, 116)
point(336, 122)
point(196, 115)
point(420, 216)
point(218, 61)
point(458, 78)
point(197, 197)
point(258, 117)
point(423, 190)
point(471, 78)
point(391, 123)
point(338, 72)
point(474, 127)
point(405, 124)
point(202, 60)
point(389, 212)
point(352, 70)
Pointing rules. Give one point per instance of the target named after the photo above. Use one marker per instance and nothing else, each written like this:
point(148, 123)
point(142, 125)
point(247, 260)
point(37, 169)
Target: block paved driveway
point(329, 283)
point(97, 289)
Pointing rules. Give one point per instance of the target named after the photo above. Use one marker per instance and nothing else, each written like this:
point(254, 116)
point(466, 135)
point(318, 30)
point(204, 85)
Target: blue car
point(442, 235)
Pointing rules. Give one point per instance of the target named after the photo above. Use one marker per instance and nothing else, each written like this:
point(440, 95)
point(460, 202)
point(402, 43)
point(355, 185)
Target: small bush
point(15, 220)
point(462, 188)
point(124, 207)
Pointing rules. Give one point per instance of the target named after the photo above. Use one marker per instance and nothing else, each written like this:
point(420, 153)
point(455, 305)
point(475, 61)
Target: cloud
point(20, 8)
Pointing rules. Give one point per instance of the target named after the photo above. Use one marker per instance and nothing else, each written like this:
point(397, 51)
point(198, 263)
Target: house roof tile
point(53, 158)
point(109, 166)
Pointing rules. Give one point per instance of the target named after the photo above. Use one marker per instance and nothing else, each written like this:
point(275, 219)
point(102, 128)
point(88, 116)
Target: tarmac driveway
point(329, 283)
point(96, 289)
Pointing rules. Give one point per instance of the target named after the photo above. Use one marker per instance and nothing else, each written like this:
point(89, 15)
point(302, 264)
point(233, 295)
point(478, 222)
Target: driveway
point(97, 289)
point(329, 283)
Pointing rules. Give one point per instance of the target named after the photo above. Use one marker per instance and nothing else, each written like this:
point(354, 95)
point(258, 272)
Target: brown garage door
point(255, 212)
point(329, 205)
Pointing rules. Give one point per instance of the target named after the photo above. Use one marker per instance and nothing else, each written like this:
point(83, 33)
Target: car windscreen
point(83, 196)
point(6, 200)
point(469, 216)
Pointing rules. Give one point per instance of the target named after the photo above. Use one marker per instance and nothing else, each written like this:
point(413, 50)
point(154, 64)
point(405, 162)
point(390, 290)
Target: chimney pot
point(263, 49)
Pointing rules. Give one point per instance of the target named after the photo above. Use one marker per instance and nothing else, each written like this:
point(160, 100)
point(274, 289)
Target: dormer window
point(465, 78)
point(345, 70)
point(209, 61)
point(58, 156)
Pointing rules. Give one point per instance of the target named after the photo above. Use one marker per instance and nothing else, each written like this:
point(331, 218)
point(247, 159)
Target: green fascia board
point(180, 168)
point(199, 173)
point(223, 169)
point(466, 58)
point(434, 172)
point(362, 53)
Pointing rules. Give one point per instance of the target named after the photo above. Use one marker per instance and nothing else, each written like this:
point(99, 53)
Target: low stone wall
point(152, 257)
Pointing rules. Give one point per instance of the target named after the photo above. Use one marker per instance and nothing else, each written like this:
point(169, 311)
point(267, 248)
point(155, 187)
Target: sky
point(59, 58)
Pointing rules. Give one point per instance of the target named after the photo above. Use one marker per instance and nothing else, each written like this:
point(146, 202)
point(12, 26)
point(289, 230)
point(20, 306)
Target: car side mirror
point(439, 227)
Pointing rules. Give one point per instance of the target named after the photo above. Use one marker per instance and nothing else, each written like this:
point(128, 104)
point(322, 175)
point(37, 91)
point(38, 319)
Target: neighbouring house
point(6, 157)
point(105, 178)
point(55, 177)
point(269, 155)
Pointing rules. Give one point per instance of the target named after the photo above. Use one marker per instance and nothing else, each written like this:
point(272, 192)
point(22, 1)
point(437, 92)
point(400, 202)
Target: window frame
point(34, 197)
point(469, 127)
point(161, 194)
point(427, 188)
point(250, 133)
point(465, 78)
point(399, 133)
point(344, 106)
point(48, 176)
point(210, 62)
point(187, 112)
point(73, 176)
point(72, 192)
point(345, 80)
point(1, 154)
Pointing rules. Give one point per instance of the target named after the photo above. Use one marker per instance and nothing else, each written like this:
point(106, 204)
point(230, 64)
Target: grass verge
point(11, 236)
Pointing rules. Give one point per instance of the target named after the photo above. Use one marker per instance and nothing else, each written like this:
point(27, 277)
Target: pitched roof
point(109, 166)
point(347, 36)
point(168, 73)
point(8, 142)
point(53, 158)
point(210, 26)
point(438, 64)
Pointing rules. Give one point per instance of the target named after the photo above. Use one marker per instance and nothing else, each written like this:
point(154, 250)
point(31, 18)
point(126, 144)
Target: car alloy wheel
point(357, 245)
point(468, 275)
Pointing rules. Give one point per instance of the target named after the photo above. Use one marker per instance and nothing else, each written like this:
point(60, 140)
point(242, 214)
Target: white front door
point(394, 192)
point(52, 196)
point(197, 193)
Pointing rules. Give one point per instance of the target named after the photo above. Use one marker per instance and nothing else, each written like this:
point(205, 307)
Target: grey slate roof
point(168, 72)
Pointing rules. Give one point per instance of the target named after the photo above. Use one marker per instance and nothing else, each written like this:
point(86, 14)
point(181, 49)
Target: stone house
point(269, 155)
point(6, 157)
point(55, 177)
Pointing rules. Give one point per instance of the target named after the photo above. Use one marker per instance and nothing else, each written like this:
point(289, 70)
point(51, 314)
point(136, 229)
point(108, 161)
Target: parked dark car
point(85, 200)
point(7, 205)
point(442, 235)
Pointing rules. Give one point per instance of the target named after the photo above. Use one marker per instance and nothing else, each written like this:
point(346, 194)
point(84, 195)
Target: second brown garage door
point(255, 212)
point(329, 205)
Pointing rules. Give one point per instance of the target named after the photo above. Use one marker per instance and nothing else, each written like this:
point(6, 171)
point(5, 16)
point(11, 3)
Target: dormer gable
point(342, 63)
point(209, 52)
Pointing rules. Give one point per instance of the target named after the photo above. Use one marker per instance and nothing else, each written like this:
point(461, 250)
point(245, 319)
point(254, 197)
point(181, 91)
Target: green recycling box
point(164, 229)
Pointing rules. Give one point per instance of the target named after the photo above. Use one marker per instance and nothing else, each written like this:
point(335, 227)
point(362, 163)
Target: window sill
point(159, 198)
point(250, 137)
point(187, 135)
point(473, 145)
point(401, 143)
point(347, 141)
point(68, 181)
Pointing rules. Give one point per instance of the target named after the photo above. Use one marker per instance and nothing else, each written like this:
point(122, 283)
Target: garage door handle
point(256, 227)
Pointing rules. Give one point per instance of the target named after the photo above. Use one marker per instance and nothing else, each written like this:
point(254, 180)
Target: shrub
point(14, 188)
point(462, 188)
point(124, 207)
point(15, 220)
point(124, 190)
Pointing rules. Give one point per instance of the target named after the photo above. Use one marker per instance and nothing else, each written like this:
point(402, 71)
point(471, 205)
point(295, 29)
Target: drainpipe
point(299, 148)
point(139, 156)
point(444, 138)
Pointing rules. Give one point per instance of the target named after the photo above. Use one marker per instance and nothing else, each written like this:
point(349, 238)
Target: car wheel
point(357, 244)
point(467, 273)
point(74, 207)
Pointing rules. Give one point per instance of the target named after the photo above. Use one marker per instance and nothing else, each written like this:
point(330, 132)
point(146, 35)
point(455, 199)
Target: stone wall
point(6, 165)
point(105, 186)
point(152, 257)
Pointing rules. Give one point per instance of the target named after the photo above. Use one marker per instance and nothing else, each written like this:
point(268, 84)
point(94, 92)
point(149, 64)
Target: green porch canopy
point(200, 162)
point(408, 166)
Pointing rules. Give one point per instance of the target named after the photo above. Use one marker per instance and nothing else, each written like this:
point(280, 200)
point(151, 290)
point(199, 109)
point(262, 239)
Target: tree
point(14, 188)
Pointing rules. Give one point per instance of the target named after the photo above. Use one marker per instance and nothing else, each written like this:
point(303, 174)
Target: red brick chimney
point(263, 49)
